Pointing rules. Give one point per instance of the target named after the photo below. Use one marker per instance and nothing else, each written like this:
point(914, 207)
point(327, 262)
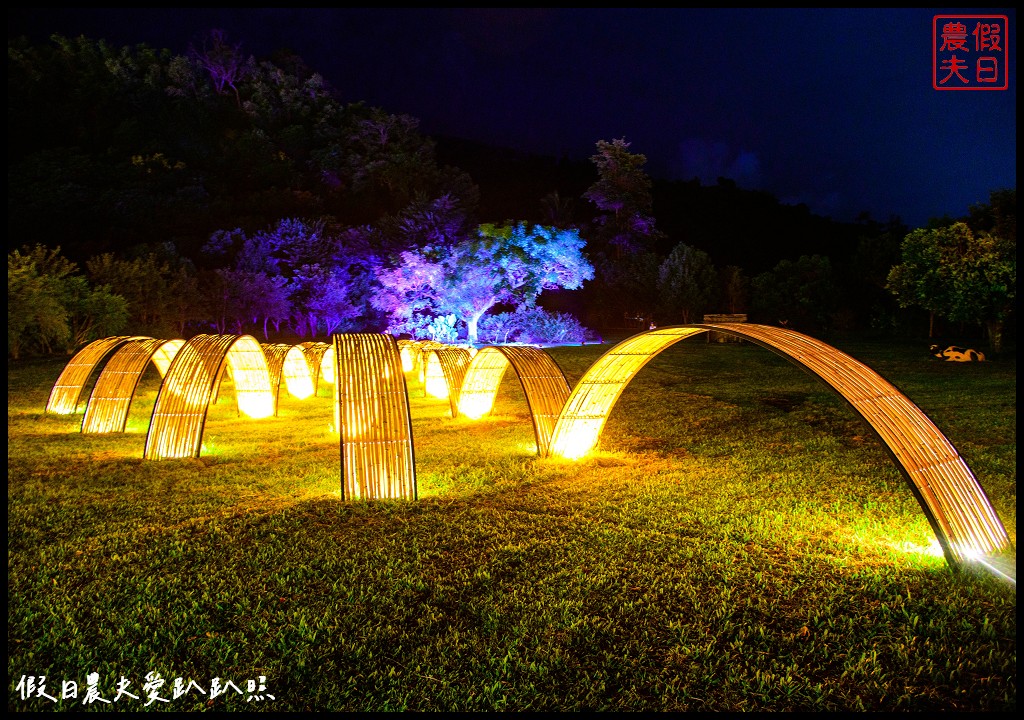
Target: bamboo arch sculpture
point(955, 504)
point(371, 407)
point(111, 397)
point(179, 415)
point(542, 380)
point(314, 352)
point(67, 390)
point(443, 374)
point(288, 364)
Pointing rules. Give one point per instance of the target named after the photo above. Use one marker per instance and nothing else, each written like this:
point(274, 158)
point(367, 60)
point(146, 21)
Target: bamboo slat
point(955, 504)
point(111, 397)
point(176, 427)
point(444, 372)
point(67, 390)
point(372, 413)
point(542, 380)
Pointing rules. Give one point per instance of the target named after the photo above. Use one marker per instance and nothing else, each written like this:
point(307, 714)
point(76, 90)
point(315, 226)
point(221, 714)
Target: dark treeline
point(219, 176)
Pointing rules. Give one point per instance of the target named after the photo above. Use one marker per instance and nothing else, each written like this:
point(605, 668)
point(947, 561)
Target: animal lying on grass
point(955, 353)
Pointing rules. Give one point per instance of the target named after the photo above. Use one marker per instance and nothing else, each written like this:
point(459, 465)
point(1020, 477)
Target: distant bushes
point(531, 325)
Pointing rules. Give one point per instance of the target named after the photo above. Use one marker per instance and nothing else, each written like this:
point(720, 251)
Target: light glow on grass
point(578, 440)
point(475, 406)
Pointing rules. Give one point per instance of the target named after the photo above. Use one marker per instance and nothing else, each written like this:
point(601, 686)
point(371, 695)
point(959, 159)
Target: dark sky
point(833, 108)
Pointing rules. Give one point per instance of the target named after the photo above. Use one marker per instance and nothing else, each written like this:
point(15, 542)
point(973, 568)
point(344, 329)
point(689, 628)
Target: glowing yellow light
point(327, 367)
point(475, 406)
point(297, 377)
point(434, 382)
point(577, 441)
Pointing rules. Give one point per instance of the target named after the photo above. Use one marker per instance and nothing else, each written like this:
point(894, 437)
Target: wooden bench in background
point(722, 337)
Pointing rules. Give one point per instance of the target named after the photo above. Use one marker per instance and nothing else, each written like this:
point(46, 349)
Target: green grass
point(740, 542)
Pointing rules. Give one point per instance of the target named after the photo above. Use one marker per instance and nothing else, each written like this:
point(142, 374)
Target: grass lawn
point(740, 542)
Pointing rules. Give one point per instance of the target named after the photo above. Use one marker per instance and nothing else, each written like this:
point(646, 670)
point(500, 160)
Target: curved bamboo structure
point(444, 371)
point(328, 363)
point(111, 397)
point(314, 352)
point(371, 406)
point(409, 350)
point(288, 364)
point(542, 380)
point(67, 390)
point(179, 415)
point(275, 354)
point(956, 506)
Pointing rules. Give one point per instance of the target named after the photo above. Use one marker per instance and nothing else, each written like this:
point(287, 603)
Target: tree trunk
point(995, 335)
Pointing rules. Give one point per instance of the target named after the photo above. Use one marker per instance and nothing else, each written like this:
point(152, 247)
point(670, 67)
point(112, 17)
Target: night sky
point(832, 108)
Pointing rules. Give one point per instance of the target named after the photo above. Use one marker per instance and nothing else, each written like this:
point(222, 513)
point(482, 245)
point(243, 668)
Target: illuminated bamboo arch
point(111, 397)
point(179, 415)
point(444, 371)
point(542, 380)
point(957, 508)
point(371, 406)
point(288, 364)
point(409, 351)
point(314, 352)
point(67, 390)
point(328, 365)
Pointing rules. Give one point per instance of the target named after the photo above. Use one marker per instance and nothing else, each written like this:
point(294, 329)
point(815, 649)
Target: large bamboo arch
point(542, 380)
point(443, 374)
point(371, 408)
point(67, 390)
point(111, 397)
point(179, 415)
point(955, 504)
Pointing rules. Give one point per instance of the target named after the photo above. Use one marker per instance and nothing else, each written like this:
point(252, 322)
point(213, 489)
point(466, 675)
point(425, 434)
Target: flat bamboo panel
point(111, 397)
point(67, 391)
point(314, 352)
point(444, 373)
point(956, 506)
point(179, 415)
point(372, 410)
point(542, 380)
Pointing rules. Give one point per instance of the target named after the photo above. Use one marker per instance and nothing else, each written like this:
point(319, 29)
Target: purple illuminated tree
point(622, 194)
point(508, 265)
point(223, 61)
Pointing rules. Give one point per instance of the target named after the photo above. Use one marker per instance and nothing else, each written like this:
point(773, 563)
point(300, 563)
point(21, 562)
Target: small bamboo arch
point(542, 380)
point(371, 408)
point(288, 364)
point(67, 390)
point(179, 415)
point(444, 371)
point(953, 500)
point(314, 352)
point(111, 397)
